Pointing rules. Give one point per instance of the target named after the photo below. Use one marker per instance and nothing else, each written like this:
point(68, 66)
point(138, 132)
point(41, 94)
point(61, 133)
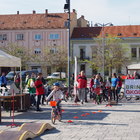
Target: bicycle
point(56, 112)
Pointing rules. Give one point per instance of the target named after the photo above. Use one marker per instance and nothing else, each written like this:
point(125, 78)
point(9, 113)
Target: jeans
point(32, 99)
point(38, 101)
point(114, 93)
point(81, 94)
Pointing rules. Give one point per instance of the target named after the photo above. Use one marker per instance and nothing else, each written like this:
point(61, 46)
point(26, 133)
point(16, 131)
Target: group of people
point(97, 86)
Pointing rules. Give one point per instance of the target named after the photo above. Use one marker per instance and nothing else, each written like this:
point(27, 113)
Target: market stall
point(7, 60)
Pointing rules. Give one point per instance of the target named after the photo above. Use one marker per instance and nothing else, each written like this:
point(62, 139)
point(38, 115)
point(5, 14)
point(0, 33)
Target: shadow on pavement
point(53, 131)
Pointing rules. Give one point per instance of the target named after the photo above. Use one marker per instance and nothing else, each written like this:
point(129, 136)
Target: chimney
point(74, 11)
point(34, 12)
point(17, 12)
point(46, 12)
point(82, 17)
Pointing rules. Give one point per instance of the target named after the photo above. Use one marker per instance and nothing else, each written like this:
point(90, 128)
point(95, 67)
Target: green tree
point(111, 52)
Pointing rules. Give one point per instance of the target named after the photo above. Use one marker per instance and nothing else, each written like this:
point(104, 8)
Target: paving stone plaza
point(119, 122)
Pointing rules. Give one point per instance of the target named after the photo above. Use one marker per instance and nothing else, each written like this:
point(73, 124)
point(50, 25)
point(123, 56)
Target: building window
point(54, 36)
point(94, 52)
point(37, 50)
point(37, 37)
point(53, 50)
point(82, 54)
point(19, 37)
point(119, 34)
point(139, 52)
point(82, 67)
point(134, 52)
point(3, 36)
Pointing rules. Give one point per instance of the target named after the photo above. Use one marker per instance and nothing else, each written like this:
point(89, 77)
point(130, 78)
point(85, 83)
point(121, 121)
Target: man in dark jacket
point(82, 85)
point(3, 81)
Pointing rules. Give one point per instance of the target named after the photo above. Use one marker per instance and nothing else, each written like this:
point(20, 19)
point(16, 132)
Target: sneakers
point(81, 102)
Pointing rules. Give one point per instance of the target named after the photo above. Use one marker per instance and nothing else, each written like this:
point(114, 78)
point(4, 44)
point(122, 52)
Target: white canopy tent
point(7, 60)
point(133, 67)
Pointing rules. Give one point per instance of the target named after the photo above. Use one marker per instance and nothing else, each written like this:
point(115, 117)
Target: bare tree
point(56, 57)
point(19, 51)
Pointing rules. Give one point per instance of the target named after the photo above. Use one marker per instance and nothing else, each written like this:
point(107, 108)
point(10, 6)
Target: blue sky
point(119, 12)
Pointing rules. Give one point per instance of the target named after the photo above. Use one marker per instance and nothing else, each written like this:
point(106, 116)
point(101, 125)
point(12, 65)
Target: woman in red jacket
point(39, 90)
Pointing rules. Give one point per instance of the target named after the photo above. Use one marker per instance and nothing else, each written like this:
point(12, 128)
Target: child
point(57, 95)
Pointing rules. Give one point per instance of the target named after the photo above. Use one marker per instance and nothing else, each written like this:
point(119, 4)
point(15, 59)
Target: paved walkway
point(121, 122)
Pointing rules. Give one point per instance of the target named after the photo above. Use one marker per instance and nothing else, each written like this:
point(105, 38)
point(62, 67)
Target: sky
point(118, 12)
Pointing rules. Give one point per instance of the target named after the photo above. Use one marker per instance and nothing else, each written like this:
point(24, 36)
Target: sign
point(132, 87)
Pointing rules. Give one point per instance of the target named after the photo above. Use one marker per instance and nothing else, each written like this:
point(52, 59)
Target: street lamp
point(67, 8)
point(103, 43)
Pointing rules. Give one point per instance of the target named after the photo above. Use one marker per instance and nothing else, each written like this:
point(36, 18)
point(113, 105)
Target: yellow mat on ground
point(27, 130)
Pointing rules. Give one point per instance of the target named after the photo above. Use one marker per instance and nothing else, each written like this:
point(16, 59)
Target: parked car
point(24, 73)
point(11, 74)
point(56, 75)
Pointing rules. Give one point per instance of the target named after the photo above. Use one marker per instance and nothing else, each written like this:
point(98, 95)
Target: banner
point(75, 77)
point(132, 87)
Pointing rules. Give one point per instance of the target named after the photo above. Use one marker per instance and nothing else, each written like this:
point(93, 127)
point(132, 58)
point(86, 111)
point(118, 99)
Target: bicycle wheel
point(59, 117)
point(120, 95)
point(53, 116)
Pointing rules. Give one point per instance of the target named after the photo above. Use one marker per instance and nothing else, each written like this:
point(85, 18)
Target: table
point(18, 99)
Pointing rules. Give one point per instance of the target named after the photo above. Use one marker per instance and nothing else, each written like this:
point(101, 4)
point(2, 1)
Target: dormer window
point(134, 34)
point(119, 34)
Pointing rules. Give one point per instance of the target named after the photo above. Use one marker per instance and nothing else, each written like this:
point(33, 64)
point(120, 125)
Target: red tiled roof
point(123, 31)
point(86, 32)
point(118, 31)
point(34, 21)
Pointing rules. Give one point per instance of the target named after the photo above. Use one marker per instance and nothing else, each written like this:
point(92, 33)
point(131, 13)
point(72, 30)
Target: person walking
point(91, 86)
point(32, 89)
point(119, 86)
point(114, 82)
point(97, 88)
point(39, 90)
point(17, 80)
point(82, 85)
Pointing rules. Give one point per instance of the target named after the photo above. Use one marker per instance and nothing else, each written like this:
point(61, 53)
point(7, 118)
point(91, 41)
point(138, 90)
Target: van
point(56, 75)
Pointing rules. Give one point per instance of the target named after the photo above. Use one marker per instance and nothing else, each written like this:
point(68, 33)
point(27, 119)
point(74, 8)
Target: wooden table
point(18, 99)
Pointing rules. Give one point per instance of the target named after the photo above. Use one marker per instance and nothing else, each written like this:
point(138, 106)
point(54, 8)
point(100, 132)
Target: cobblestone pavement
point(119, 122)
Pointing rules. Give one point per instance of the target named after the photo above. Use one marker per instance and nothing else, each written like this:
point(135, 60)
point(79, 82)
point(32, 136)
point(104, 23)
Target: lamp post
point(103, 43)
point(67, 8)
